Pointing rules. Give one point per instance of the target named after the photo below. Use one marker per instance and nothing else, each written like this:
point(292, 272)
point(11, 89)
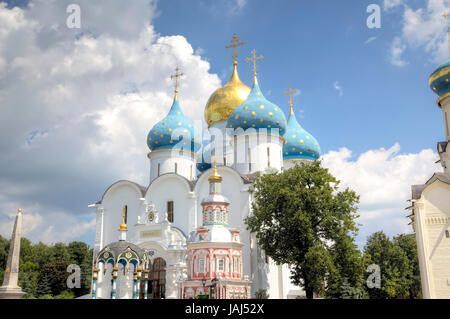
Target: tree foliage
point(43, 269)
point(301, 218)
point(399, 265)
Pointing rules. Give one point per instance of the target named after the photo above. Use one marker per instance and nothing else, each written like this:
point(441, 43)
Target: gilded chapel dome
point(225, 99)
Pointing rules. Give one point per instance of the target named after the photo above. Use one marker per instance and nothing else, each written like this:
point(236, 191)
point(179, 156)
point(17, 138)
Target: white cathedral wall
point(262, 151)
point(434, 220)
point(169, 161)
point(173, 188)
point(115, 199)
point(445, 105)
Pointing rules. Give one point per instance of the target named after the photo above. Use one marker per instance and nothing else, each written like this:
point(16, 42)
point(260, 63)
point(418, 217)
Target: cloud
point(77, 106)
point(371, 39)
point(397, 49)
point(423, 28)
point(391, 4)
point(338, 87)
point(383, 179)
point(225, 8)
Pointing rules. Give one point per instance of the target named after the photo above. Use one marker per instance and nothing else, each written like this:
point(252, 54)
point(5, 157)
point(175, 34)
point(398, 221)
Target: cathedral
point(430, 209)
point(183, 236)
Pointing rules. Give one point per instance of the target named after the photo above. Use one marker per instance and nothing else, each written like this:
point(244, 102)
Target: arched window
point(446, 124)
point(126, 214)
point(268, 157)
point(221, 265)
point(201, 265)
point(159, 169)
point(447, 234)
point(170, 214)
point(176, 168)
point(249, 160)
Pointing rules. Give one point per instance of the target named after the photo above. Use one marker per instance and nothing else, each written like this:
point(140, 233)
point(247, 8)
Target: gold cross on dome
point(254, 58)
point(290, 92)
point(235, 43)
point(176, 76)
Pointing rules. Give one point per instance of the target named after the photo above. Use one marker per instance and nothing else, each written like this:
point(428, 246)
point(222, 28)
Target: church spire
point(254, 58)
point(176, 76)
point(123, 227)
point(290, 92)
point(234, 44)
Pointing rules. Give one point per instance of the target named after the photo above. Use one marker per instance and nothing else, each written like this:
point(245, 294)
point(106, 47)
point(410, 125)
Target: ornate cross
point(254, 58)
point(290, 92)
point(235, 43)
point(176, 76)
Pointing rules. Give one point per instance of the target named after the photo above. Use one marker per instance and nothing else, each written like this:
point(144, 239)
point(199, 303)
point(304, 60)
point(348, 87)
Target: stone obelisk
point(10, 289)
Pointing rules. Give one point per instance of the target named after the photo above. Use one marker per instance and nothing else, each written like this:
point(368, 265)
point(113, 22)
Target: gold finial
point(215, 174)
point(123, 226)
point(19, 210)
point(176, 76)
point(254, 58)
point(290, 92)
point(235, 43)
point(446, 15)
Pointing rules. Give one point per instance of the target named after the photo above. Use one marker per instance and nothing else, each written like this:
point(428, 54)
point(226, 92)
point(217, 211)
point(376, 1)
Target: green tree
point(347, 279)
point(409, 246)
point(393, 263)
point(261, 294)
point(43, 287)
point(297, 215)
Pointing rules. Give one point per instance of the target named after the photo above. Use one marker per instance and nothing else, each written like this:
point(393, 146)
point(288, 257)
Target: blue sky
point(78, 104)
point(311, 45)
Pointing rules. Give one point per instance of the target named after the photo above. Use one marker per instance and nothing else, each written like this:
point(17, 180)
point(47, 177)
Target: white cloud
point(77, 106)
point(390, 4)
point(338, 87)
point(423, 28)
point(371, 39)
point(383, 179)
point(397, 49)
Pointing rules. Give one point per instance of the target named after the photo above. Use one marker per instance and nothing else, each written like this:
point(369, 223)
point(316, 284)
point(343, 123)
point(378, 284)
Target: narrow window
point(446, 124)
point(249, 161)
point(221, 265)
point(201, 265)
point(170, 211)
point(176, 168)
point(159, 169)
point(192, 168)
point(447, 234)
point(268, 157)
point(126, 213)
point(224, 161)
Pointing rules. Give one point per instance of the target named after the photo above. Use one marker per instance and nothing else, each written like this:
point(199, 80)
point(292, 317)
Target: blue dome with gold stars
point(258, 113)
point(440, 79)
point(205, 164)
point(299, 143)
point(175, 131)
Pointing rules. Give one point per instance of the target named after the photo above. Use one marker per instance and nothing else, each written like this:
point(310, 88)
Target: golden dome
point(225, 99)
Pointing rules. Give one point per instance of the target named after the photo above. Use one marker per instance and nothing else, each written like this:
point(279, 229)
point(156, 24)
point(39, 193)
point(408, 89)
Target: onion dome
point(258, 113)
point(205, 164)
point(225, 99)
point(175, 131)
point(299, 143)
point(440, 79)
